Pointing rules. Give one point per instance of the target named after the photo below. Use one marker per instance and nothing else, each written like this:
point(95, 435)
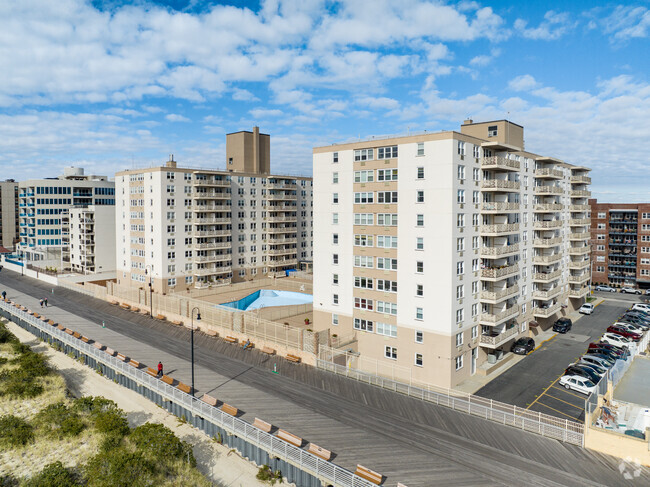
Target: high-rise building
point(42, 201)
point(439, 249)
point(89, 232)
point(620, 240)
point(8, 213)
point(183, 227)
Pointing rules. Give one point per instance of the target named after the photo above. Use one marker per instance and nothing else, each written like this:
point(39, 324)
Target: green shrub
point(54, 475)
point(3, 360)
point(18, 383)
point(33, 364)
point(59, 421)
point(6, 336)
point(161, 442)
point(93, 404)
point(266, 474)
point(112, 422)
point(15, 431)
point(8, 480)
point(120, 468)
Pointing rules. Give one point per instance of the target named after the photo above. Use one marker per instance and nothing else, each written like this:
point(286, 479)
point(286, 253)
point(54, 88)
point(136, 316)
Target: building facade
point(42, 201)
point(88, 234)
point(620, 239)
point(438, 250)
point(184, 228)
point(9, 222)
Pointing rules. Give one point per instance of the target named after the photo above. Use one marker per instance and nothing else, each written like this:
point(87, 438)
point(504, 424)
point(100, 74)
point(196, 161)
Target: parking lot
point(533, 383)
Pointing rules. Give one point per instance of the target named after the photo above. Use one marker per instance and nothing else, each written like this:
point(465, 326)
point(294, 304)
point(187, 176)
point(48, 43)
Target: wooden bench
point(114, 303)
point(61, 327)
point(212, 401)
point(177, 323)
point(36, 315)
point(125, 306)
point(98, 345)
point(135, 310)
point(160, 317)
point(370, 475)
point(167, 380)
point(69, 331)
point(184, 387)
point(84, 339)
point(121, 357)
point(293, 359)
point(290, 438)
point(43, 318)
point(230, 339)
point(228, 409)
point(268, 350)
point(110, 351)
point(320, 452)
point(210, 333)
point(76, 334)
point(51, 322)
point(134, 363)
point(263, 425)
point(152, 372)
point(144, 312)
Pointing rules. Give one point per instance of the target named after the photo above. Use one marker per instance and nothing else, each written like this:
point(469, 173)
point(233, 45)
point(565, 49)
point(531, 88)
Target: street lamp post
point(198, 318)
point(150, 269)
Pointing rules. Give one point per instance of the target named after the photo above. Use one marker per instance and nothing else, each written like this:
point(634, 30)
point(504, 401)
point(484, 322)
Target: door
point(474, 358)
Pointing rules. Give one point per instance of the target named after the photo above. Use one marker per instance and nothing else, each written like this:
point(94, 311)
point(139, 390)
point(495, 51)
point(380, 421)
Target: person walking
point(4, 295)
point(41, 301)
point(160, 369)
point(45, 301)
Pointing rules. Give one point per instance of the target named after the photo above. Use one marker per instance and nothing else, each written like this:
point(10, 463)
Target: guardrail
point(198, 411)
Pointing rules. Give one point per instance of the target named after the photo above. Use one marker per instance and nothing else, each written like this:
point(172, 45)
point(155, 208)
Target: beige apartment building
point(194, 228)
point(8, 214)
point(89, 239)
point(438, 250)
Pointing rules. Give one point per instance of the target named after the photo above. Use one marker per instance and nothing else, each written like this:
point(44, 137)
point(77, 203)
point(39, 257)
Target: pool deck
point(635, 384)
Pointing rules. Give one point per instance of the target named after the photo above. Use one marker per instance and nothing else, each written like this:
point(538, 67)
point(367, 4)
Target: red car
point(619, 330)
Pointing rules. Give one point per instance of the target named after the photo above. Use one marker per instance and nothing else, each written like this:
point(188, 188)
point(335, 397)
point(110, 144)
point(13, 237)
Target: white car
point(618, 340)
point(642, 307)
point(577, 383)
point(631, 327)
point(630, 290)
point(586, 309)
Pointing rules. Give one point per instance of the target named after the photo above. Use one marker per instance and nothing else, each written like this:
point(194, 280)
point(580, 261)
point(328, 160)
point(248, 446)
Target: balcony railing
point(275, 219)
point(548, 173)
point(279, 240)
point(500, 272)
point(499, 207)
point(211, 233)
point(579, 207)
point(494, 341)
point(547, 259)
point(504, 228)
point(281, 196)
point(207, 220)
point(579, 279)
point(496, 162)
point(282, 251)
point(546, 312)
point(548, 207)
point(500, 184)
point(579, 264)
point(541, 224)
point(580, 193)
point(579, 250)
point(578, 293)
point(544, 189)
point(579, 222)
point(547, 242)
point(547, 276)
point(547, 294)
point(213, 245)
point(500, 294)
point(497, 318)
point(211, 182)
point(580, 180)
point(579, 236)
point(212, 258)
point(211, 208)
point(500, 250)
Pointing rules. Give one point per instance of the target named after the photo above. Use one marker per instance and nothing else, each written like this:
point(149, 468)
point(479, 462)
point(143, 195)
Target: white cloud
point(173, 117)
point(523, 83)
point(265, 113)
point(627, 22)
point(243, 95)
point(554, 26)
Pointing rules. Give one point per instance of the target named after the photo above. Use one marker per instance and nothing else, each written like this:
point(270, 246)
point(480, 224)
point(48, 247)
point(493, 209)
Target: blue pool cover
point(267, 298)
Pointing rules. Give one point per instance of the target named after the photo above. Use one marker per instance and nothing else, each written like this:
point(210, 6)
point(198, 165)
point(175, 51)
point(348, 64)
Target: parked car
point(608, 349)
point(586, 309)
point(608, 289)
point(641, 325)
point(630, 290)
point(577, 383)
point(638, 314)
point(642, 307)
point(623, 331)
point(523, 346)
point(582, 371)
point(608, 354)
point(618, 340)
point(631, 327)
point(596, 360)
point(562, 325)
point(600, 371)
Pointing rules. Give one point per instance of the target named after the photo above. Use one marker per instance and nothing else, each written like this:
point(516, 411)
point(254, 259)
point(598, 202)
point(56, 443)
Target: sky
point(110, 85)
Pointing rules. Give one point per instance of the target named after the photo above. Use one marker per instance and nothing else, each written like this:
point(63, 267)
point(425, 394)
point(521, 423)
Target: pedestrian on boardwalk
point(45, 300)
point(4, 294)
point(41, 302)
point(160, 369)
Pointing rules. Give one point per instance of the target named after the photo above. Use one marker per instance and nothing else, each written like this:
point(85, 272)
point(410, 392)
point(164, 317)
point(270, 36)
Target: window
point(386, 174)
point(460, 268)
point(419, 220)
point(335, 299)
point(364, 325)
point(171, 282)
point(600, 268)
point(476, 174)
point(460, 196)
point(386, 197)
point(460, 291)
point(365, 218)
point(419, 313)
point(459, 339)
point(335, 238)
point(387, 152)
point(475, 220)
point(419, 198)
point(419, 267)
point(460, 244)
point(386, 263)
point(363, 155)
point(420, 148)
point(363, 282)
point(461, 148)
point(460, 220)
point(476, 197)
point(602, 215)
point(335, 279)
point(335, 319)
point(364, 176)
point(363, 198)
point(386, 330)
point(419, 290)
point(388, 308)
point(475, 242)
point(335, 198)
point(459, 362)
point(386, 242)
point(391, 352)
point(362, 303)
point(384, 219)
point(335, 178)
point(460, 315)
point(335, 218)
point(364, 261)
point(335, 259)
point(476, 151)
point(419, 243)
point(474, 332)
point(475, 287)
point(420, 173)
point(363, 240)
point(461, 172)
point(335, 157)
point(475, 265)
point(493, 130)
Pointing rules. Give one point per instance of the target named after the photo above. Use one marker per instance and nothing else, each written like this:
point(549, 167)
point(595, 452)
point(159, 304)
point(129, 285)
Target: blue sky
point(110, 85)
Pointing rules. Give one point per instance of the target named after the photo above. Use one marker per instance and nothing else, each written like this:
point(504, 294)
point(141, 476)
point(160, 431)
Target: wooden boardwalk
point(408, 440)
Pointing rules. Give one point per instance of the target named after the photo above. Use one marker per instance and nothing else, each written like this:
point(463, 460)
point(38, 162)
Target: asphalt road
point(533, 382)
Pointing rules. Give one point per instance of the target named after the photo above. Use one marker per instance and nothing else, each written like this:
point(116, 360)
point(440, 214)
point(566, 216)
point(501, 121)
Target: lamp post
point(198, 318)
point(22, 263)
point(149, 268)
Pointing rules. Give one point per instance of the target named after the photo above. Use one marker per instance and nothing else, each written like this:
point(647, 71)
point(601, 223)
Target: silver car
point(593, 360)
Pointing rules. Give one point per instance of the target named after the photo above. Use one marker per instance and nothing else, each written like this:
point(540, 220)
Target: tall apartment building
point(620, 239)
point(89, 232)
point(42, 201)
point(186, 227)
point(8, 213)
point(440, 249)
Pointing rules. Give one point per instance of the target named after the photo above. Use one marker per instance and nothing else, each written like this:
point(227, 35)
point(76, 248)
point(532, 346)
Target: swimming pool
point(266, 298)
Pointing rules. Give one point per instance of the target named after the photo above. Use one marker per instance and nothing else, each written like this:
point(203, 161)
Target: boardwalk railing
point(507, 414)
point(274, 446)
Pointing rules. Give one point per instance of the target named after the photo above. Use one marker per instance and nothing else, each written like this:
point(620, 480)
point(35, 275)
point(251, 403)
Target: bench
point(210, 333)
point(167, 380)
point(228, 409)
point(43, 318)
point(134, 363)
point(144, 312)
point(161, 317)
point(69, 331)
point(114, 303)
point(121, 357)
point(370, 475)
point(184, 387)
point(290, 438)
point(135, 310)
point(152, 372)
point(98, 345)
point(177, 323)
point(110, 351)
point(268, 350)
point(212, 401)
point(51, 322)
point(230, 339)
point(294, 359)
point(320, 452)
point(125, 306)
point(263, 425)
point(76, 334)
point(84, 339)
point(61, 327)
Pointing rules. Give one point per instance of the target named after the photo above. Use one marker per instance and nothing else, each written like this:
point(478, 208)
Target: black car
point(523, 346)
point(562, 325)
point(609, 346)
point(635, 321)
point(639, 316)
point(585, 372)
point(597, 348)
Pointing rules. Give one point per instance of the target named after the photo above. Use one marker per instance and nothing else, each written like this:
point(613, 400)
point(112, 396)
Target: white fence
point(271, 444)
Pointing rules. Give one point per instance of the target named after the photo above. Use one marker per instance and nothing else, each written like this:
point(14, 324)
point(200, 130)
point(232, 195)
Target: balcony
point(546, 312)
point(579, 236)
point(579, 279)
point(580, 193)
point(500, 251)
point(211, 220)
point(547, 259)
point(580, 180)
point(496, 340)
point(211, 208)
point(579, 207)
point(542, 190)
point(280, 240)
point(585, 249)
point(494, 297)
point(499, 229)
point(497, 273)
point(293, 229)
point(548, 207)
point(213, 245)
point(282, 207)
point(498, 318)
point(579, 222)
point(499, 207)
point(547, 276)
point(289, 186)
point(579, 264)
point(281, 196)
point(210, 195)
point(212, 258)
point(543, 224)
point(547, 242)
point(279, 219)
point(282, 263)
point(499, 184)
point(549, 173)
point(578, 293)
point(547, 294)
point(496, 162)
point(288, 251)
point(211, 271)
point(211, 182)
point(211, 233)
